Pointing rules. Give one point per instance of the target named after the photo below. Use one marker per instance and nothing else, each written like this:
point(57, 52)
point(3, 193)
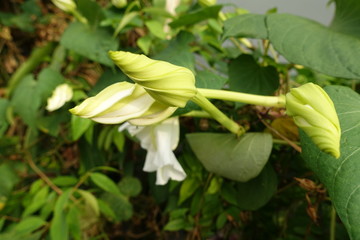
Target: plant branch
point(267, 101)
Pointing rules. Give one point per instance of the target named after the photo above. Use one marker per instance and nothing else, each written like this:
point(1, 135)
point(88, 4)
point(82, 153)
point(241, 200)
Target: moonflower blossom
point(62, 94)
point(167, 83)
point(65, 5)
point(159, 140)
point(122, 102)
point(314, 112)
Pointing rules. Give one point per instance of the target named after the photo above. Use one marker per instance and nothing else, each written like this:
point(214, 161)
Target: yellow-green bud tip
point(167, 83)
point(314, 112)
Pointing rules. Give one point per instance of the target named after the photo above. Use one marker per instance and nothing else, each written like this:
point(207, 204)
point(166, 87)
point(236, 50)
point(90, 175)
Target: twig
point(291, 143)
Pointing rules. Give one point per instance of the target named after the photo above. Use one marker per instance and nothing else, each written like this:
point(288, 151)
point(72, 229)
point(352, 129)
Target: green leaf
point(29, 225)
point(175, 225)
point(187, 189)
point(37, 202)
point(59, 229)
point(246, 25)
point(156, 28)
point(105, 183)
point(239, 159)
point(26, 100)
point(65, 181)
point(91, 43)
point(8, 179)
point(257, 192)
point(48, 80)
point(245, 75)
point(90, 199)
point(4, 104)
point(91, 10)
point(210, 80)
point(347, 17)
point(311, 44)
point(130, 186)
point(341, 176)
point(178, 52)
point(120, 205)
point(196, 16)
point(144, 43)
point(79, 126)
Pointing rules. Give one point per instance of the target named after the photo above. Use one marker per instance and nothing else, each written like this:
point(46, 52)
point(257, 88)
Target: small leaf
point(29, 225)
point(90, 199)
point(79, 126)
point(120, 205)
point(187, 189)
point(196, 16)
point(105, 183)
point(130, 186)
point(59, 229)
point(237, 159)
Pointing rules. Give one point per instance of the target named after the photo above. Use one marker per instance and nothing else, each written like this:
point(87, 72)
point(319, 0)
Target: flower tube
point(314, 112)
point(167, 83)
point(121, 102)
point(159, 140)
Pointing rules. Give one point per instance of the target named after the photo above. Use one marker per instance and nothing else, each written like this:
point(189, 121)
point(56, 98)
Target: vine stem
point(267, 101)
point(219, 116)
point(332, 223)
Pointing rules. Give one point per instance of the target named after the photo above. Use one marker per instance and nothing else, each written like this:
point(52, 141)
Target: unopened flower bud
point(167, 83)
point(314, 112)
point(62, 94)
point(119, 3)
point(65, 5)
point(207, 3)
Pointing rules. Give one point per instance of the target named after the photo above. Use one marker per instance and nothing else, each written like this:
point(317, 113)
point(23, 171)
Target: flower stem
point(219, 116)
point(268, 101)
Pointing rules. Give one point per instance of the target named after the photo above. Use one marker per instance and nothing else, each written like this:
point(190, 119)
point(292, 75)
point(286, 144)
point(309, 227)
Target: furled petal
point(121, 102)
point(62, 94)
point(167, 83)
point(315, 113)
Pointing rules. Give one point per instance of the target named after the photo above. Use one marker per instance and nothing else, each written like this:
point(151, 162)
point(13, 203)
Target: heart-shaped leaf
point(239, 159)
point(341, 176)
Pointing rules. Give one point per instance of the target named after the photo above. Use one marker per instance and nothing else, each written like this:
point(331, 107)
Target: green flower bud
point(119, 3)
point(314, 112)
point(122, 102)
point(65, 5)
point(167, 83)
point(207, 3)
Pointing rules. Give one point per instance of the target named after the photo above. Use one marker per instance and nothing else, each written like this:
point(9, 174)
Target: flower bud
point(62, 94)
point(121, 102)
point(207, 3)
point(65, 5)
point(314, 112)
point(167, 83)
point(119, 3)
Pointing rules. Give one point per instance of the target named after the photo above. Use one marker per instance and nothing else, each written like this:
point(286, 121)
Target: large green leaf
point(246, 75)
point(347, 17)
point(333, 50)
point(91, 43)
point(239, 159)
point(341, 176)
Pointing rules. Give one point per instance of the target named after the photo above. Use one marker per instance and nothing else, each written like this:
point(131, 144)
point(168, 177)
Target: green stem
point(79, 17)
point(36, 57)
point(268, 101)
point(196, 113)
point(332, 223)
point(219, 116)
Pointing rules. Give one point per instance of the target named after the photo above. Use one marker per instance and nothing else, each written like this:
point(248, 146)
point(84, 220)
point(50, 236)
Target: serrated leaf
point(341, 176)
point(105, 183)
point(91, 43)
point(239, 159)
point(130, 186)
point(246, 75)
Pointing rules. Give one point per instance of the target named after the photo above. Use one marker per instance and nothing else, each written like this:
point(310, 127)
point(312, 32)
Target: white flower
point(62, 94)
point(159, 140)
